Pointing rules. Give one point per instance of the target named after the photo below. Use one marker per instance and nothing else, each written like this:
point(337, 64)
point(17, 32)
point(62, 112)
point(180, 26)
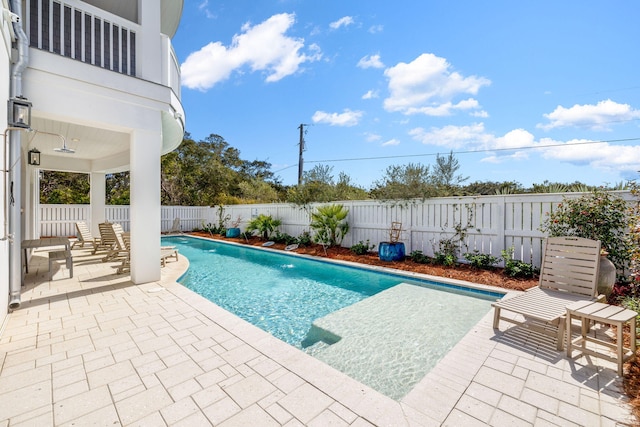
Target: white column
point(149, 53)
point(145, 208)
point(97, 196)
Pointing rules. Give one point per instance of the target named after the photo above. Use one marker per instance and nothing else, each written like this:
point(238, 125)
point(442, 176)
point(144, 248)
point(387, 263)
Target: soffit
point(89, 143)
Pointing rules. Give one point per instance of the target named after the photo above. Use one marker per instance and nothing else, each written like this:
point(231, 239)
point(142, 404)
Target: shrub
point(362, 248)
point(516, 268)
point(330, 225)
point(599, 215)
point(285, 238)
point(632, 303)
point(448, 259)
point(481, 261)
point(212, 229)
point(305, 239)
point(264, 224)
point(419, 257)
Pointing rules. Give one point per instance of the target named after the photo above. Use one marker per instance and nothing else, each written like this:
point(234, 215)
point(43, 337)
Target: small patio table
point(589, 311)
point(42, 243)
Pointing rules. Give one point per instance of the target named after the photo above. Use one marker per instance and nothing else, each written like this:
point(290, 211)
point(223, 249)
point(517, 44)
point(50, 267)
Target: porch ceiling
point(89, 143)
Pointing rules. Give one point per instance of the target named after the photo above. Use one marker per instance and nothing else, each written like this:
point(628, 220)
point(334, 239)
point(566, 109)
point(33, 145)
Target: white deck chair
point(175, 228)
point(569, 273)
point(84, 236)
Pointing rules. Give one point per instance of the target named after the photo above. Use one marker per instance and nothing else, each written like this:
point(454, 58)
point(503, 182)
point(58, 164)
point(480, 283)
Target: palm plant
point(330, 225)
point(264, 224)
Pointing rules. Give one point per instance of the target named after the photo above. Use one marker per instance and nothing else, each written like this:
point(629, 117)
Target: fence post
point(501, 223)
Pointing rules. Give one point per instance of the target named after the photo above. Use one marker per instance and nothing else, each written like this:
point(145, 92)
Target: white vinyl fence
point(491, 223)
point(60, 220)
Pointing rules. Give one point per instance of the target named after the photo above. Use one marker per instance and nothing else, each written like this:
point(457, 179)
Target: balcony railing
point(66, 30)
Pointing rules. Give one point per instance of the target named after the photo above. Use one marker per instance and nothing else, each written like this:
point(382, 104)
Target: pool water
point(284, 294)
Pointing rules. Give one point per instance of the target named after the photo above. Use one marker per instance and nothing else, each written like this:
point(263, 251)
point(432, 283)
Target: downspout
point(15, 153)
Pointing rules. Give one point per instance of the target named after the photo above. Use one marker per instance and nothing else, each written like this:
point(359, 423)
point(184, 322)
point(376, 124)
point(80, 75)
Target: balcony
point(97, 37)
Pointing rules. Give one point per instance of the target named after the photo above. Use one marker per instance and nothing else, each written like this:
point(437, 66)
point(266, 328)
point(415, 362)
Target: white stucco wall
point(5, 50)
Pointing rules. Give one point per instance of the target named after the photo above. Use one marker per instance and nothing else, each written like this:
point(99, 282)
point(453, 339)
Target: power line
point(488, 150)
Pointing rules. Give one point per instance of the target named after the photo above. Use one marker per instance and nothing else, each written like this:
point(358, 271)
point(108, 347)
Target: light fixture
point(19, 112)
point(34, 157)
point(64, 148)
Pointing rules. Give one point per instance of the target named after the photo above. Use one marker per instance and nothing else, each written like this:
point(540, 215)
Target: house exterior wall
point(107, 79)
point(5, 70)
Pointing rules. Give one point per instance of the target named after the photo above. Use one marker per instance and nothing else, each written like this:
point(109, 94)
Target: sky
point(526, 91)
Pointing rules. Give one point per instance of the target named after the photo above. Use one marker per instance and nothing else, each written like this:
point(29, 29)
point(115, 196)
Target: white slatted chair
point(569, 273)
point(84, 236)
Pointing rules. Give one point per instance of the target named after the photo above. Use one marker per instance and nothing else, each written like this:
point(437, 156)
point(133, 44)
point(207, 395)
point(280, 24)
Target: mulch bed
point(460, 272)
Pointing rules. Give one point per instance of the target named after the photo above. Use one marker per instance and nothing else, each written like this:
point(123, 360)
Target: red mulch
point(460, 272)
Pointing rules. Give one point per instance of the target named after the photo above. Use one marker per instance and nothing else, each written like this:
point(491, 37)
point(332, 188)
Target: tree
point(486, 188)
point(64, 188)
point(118, 190)
point(404, 182)
point(346, 190)
point(318, 185)
point(444, 175)
point(256, 191)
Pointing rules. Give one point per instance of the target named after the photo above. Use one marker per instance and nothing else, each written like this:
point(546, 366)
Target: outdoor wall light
point(34, 157)
point(19, 113)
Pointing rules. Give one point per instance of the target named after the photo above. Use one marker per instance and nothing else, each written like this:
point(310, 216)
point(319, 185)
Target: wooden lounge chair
point(175, 227)
point(84, 236)
point(166, 252)
point(112, 235)
point(569, 272)
point(107, 238)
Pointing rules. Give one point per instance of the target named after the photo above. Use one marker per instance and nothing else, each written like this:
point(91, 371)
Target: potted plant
point(392, 250)
point(234, 230)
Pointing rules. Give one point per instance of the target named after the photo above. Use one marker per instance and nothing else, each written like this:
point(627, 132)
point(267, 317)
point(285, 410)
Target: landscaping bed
point(494, 277)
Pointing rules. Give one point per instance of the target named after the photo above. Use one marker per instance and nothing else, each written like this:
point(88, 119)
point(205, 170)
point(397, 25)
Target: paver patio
point(98, 350)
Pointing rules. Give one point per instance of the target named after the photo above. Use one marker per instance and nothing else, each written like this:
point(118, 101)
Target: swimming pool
point(285, 294)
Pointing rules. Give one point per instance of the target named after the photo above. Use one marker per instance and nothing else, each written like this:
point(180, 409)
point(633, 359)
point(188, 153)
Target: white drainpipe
point(15, 151)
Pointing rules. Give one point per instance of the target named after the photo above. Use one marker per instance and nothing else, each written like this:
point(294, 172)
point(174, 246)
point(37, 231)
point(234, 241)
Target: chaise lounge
point(569, 273)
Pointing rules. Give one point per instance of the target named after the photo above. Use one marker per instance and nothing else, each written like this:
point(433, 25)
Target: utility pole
point(300, 159)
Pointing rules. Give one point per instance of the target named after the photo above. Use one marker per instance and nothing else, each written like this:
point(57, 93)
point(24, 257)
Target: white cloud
point(376, 29)
point(453, 137)
point(372, 137)
point(263, 47)
point(347, 118)
point(204, 7)
point(444, 109)
point(595, 117)
point(480, 114)
point(370, 94)
point(345, 21)
point(391, 142)
point(519, 144)
point(371, 61)
point(428, 86)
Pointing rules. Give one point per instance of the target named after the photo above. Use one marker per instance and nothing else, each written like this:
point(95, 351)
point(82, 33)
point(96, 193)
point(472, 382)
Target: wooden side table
point(589, 311)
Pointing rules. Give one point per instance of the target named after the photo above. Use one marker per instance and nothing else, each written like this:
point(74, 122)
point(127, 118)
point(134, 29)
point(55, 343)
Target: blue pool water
point(280, 293)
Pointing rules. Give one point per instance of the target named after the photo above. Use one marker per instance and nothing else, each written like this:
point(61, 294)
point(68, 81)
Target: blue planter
point(388, 251)
point(233, 232)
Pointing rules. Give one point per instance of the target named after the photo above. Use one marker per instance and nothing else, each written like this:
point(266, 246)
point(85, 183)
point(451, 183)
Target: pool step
point(391, 340)
point(316, 348)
